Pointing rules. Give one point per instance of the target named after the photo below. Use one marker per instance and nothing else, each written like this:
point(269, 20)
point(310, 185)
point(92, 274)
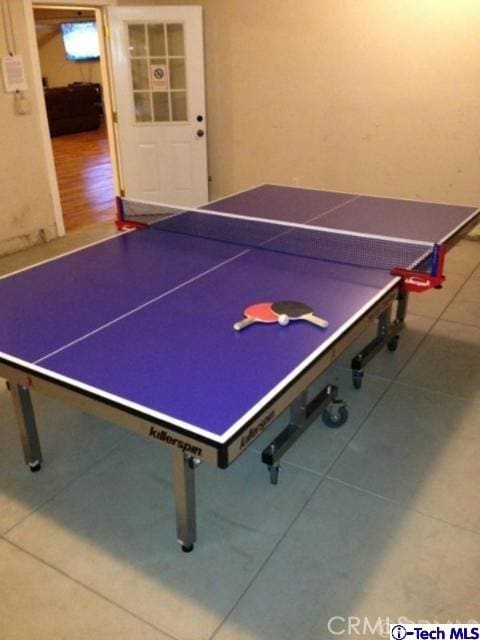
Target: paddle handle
point(319, 322)
point(241, 324)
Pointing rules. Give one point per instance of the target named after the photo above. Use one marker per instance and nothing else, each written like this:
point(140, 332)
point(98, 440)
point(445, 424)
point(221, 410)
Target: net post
point(120, 209)
point(438, 259)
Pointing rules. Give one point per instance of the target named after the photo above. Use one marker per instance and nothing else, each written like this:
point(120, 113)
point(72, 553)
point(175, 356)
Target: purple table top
point(425, 221)
point(146, 317)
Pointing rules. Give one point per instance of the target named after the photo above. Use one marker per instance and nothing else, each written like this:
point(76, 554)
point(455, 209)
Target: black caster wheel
point(187, 548)
point(357, 378)
point(335, 415)
point(35, 466)
point(392, 344)
point(274, 470)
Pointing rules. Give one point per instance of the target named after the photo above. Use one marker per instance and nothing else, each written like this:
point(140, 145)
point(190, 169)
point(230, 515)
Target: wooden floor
point(84, 174)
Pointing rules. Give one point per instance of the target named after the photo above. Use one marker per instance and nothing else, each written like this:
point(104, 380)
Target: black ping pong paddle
point(298, 311)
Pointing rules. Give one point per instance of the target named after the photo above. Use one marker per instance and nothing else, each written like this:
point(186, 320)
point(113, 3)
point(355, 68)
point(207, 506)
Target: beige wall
point(377, 96)
point(25, 201)
point(57, 69)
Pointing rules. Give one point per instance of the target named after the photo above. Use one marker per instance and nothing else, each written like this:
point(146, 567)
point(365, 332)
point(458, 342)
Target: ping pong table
point(138, 329)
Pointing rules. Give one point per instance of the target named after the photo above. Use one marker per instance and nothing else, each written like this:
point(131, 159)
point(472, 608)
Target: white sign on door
point(159, 77)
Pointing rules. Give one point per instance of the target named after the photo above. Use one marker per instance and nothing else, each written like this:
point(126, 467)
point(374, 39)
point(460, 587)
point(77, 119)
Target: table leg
point(384, 328)
point(402, 304)
point(184, 487)
point(22, 404)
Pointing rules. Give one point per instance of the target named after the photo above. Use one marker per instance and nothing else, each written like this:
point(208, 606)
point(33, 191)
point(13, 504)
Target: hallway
point(85, 181)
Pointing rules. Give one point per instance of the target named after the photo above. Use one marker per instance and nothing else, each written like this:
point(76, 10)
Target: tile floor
point(374, 521)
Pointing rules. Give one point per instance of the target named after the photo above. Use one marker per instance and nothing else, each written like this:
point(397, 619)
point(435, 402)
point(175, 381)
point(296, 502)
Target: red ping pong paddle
point(260, 312)
point(298, 311)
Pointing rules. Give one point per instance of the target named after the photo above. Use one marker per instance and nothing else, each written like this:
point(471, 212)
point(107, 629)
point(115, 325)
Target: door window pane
point(161, 110)
point(156, 39)
point(139, 74)
point(177, 73)
point(159, 74)
point(143, 111)
point(136, 40)
point(179, 105)
point(175, 40)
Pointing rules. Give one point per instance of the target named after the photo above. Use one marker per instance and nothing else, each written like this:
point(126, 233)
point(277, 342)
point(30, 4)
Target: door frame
point(37, 88)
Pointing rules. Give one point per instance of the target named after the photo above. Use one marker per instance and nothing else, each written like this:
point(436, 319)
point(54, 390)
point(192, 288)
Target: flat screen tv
point(81, 41)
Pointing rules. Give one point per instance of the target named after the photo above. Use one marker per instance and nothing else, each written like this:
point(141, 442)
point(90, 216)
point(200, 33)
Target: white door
point(158, 81)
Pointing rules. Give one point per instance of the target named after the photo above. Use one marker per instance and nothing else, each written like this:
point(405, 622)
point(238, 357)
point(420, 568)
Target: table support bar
point(302, 414)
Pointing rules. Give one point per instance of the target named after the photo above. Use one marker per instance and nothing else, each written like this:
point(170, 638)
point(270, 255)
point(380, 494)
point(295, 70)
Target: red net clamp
point(419, 281)
point(121, 223)
point(126, 225)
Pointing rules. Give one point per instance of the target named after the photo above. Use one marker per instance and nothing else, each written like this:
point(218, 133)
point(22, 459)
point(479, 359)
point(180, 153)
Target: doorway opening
point(69, 53)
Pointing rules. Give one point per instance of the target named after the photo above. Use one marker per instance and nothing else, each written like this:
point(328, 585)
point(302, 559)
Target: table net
point(305, 240)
